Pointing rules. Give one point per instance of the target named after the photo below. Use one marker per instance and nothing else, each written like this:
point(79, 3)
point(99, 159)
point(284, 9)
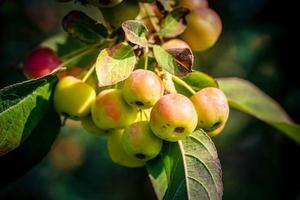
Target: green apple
point(212, 108)
point(193, 4)
point(110, 111)
point(73, 98)
point(117, 152)
point(88, 124)
point(139, 141)
point(173, 117)
point(142, 89)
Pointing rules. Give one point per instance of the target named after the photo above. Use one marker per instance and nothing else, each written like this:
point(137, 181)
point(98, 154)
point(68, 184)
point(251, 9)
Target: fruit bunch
point(141, 109)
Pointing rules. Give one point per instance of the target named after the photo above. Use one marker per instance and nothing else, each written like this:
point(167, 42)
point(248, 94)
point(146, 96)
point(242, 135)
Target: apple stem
point(145, 115)
point(183, 83)
point(141, 114)
point(88, 74)
point(146, 50)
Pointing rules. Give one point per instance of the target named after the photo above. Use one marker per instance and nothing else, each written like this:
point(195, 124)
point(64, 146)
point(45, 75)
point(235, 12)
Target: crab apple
point(212, 108)
point(203, 30)
point(88, 124)
point(40, 62)
point(73, 97)
point(117, 152)
point(176, 44)
point(173, 117)
point(110, 111)
point(142, 89)
point(216, 131)
point(139, 141)
point(193, 4)
point(79, 72)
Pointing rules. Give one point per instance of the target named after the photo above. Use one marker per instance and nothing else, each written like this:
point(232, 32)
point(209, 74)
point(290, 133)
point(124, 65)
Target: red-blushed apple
point(139, 141)
point(212, 108)
point(117, 153)
point(142, 89)
point(40, 62)
point(110, 111)
point(173, 117)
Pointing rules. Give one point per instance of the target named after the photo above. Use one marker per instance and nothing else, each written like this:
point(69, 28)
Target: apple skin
point(142, 89)
point(216, 132)
point(117, 152)
point(193, 4)
point(73, 97)
point(40, 62)
point(176, 44)
point(88, 124)
point(173, 117)
point(139, 141)
point(79, 72)
point(212, 108)
point(203, 29)
point(110, 111)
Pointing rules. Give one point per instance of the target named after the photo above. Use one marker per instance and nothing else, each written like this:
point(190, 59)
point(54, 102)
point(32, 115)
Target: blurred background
point(259, 43)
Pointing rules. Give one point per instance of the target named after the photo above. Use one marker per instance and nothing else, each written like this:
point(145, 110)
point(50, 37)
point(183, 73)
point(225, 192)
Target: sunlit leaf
point(115, 64)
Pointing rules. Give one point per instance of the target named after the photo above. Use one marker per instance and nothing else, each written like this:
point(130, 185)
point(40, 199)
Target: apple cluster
point(136, 115)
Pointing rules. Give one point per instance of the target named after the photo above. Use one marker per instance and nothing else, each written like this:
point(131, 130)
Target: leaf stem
point(68, 61)
point(183, 83)
point(78, 51)
point(88, 74)
point(146, 57)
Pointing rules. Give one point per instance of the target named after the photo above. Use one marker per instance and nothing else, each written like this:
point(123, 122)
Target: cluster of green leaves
point(188, 169)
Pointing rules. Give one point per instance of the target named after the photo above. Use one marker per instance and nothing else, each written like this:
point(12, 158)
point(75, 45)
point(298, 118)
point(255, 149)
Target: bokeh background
point(260, 43)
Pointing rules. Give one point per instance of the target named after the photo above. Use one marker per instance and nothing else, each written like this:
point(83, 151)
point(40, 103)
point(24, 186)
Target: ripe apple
point(216, 131)
point(139, 141)
point(212, 108)
point(203, 29)
point(117, 152)
point(40, 62)
point(110, 111)
point(173, 117)
point(88, 124)
point(142, 89)
point(193, 4)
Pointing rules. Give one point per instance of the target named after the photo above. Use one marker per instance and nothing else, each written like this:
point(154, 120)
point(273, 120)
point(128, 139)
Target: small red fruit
point(40, 62)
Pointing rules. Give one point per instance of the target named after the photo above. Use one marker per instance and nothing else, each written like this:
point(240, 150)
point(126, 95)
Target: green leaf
point(189, 169)
point(22, 106)
point(246, 97)
point(135, 32)
point(197, 80)
point(115, 64)
point(32, 150)
point(81, 26)
point(169, 62)
point(174, 24)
